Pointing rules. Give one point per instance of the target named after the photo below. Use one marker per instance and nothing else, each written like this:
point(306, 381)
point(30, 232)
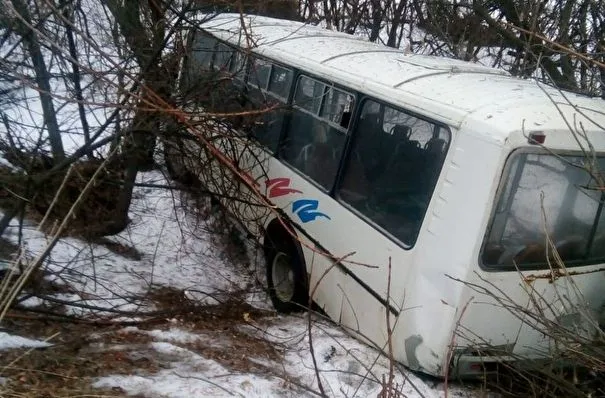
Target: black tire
point(289, 293)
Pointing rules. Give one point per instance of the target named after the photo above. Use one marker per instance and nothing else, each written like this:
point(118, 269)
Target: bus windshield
point(547, 197)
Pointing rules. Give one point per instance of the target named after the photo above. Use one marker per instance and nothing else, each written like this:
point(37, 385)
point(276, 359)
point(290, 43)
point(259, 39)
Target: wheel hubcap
point(283, 277)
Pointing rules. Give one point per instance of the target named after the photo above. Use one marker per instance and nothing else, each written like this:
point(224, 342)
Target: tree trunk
point(398, 19)
point(146, 41)
point(42, 78)
point(376, 20)
point(76, 76)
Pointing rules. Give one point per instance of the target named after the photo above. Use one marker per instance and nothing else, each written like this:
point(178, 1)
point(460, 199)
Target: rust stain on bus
point(555, 274)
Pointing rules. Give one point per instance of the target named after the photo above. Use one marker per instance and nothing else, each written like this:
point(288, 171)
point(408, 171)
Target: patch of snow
point(5, 162)
point(347, 367)
point(9, 341)
point(175, 335)
point(32, 302)
point(196, 376)
point(177, 251)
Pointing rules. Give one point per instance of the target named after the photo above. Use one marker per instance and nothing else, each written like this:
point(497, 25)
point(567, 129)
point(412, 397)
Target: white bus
point(398, 183)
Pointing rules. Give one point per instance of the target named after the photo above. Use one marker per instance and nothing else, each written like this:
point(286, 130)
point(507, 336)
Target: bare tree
point(555, 41)
point(18, 19)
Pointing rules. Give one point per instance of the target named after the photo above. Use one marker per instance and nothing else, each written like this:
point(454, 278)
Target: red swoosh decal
point(280, 187)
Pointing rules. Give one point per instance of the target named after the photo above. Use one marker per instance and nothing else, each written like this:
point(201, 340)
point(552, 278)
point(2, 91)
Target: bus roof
point(448, 90)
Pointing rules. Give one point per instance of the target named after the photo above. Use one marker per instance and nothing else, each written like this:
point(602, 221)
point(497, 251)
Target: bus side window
point(336, 106)
point(198, 65)
point(202, 51)
point(309, 94)
point(269, 87)
point(222, 91)
point(259, 74)
point(280, 82)
point(398, 158)
point(222, 57)
point(238, 67)
point(315, 140)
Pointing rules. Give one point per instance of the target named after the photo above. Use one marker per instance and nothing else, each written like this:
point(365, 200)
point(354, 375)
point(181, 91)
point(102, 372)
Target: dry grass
point(68, 367)
point(81, 353)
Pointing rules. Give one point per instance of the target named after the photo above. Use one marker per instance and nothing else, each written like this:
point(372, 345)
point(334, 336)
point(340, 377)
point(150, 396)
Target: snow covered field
point(246, 350)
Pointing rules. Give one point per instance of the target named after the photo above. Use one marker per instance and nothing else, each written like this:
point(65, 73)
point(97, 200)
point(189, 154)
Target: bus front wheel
point(286, 277)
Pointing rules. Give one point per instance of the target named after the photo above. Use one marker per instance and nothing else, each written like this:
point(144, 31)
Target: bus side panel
point(325, 283)
point(354, 292)
point(563, 301)
point(366, 317)
point(445, 252)
point(289, 191)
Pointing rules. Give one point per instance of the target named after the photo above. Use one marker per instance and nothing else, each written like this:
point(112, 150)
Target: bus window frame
point(299, 73)
point(250, 57)
point(327, 86)
point(489, 223)
point(348, 151)
point(210, 66)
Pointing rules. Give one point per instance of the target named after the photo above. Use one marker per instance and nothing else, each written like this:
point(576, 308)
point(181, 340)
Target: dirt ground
point(82, 352)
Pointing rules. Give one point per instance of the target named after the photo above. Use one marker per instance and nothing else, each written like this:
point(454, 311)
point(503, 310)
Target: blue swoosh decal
point(306, 209)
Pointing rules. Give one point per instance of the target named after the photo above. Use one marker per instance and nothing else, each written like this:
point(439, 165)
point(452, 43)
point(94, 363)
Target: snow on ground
point(176, 252)
point(196, 376)
point(347, 367)
point(265, 356)
point(8, 341)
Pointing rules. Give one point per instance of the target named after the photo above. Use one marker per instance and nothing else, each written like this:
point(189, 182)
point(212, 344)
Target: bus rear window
point(548, 197)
